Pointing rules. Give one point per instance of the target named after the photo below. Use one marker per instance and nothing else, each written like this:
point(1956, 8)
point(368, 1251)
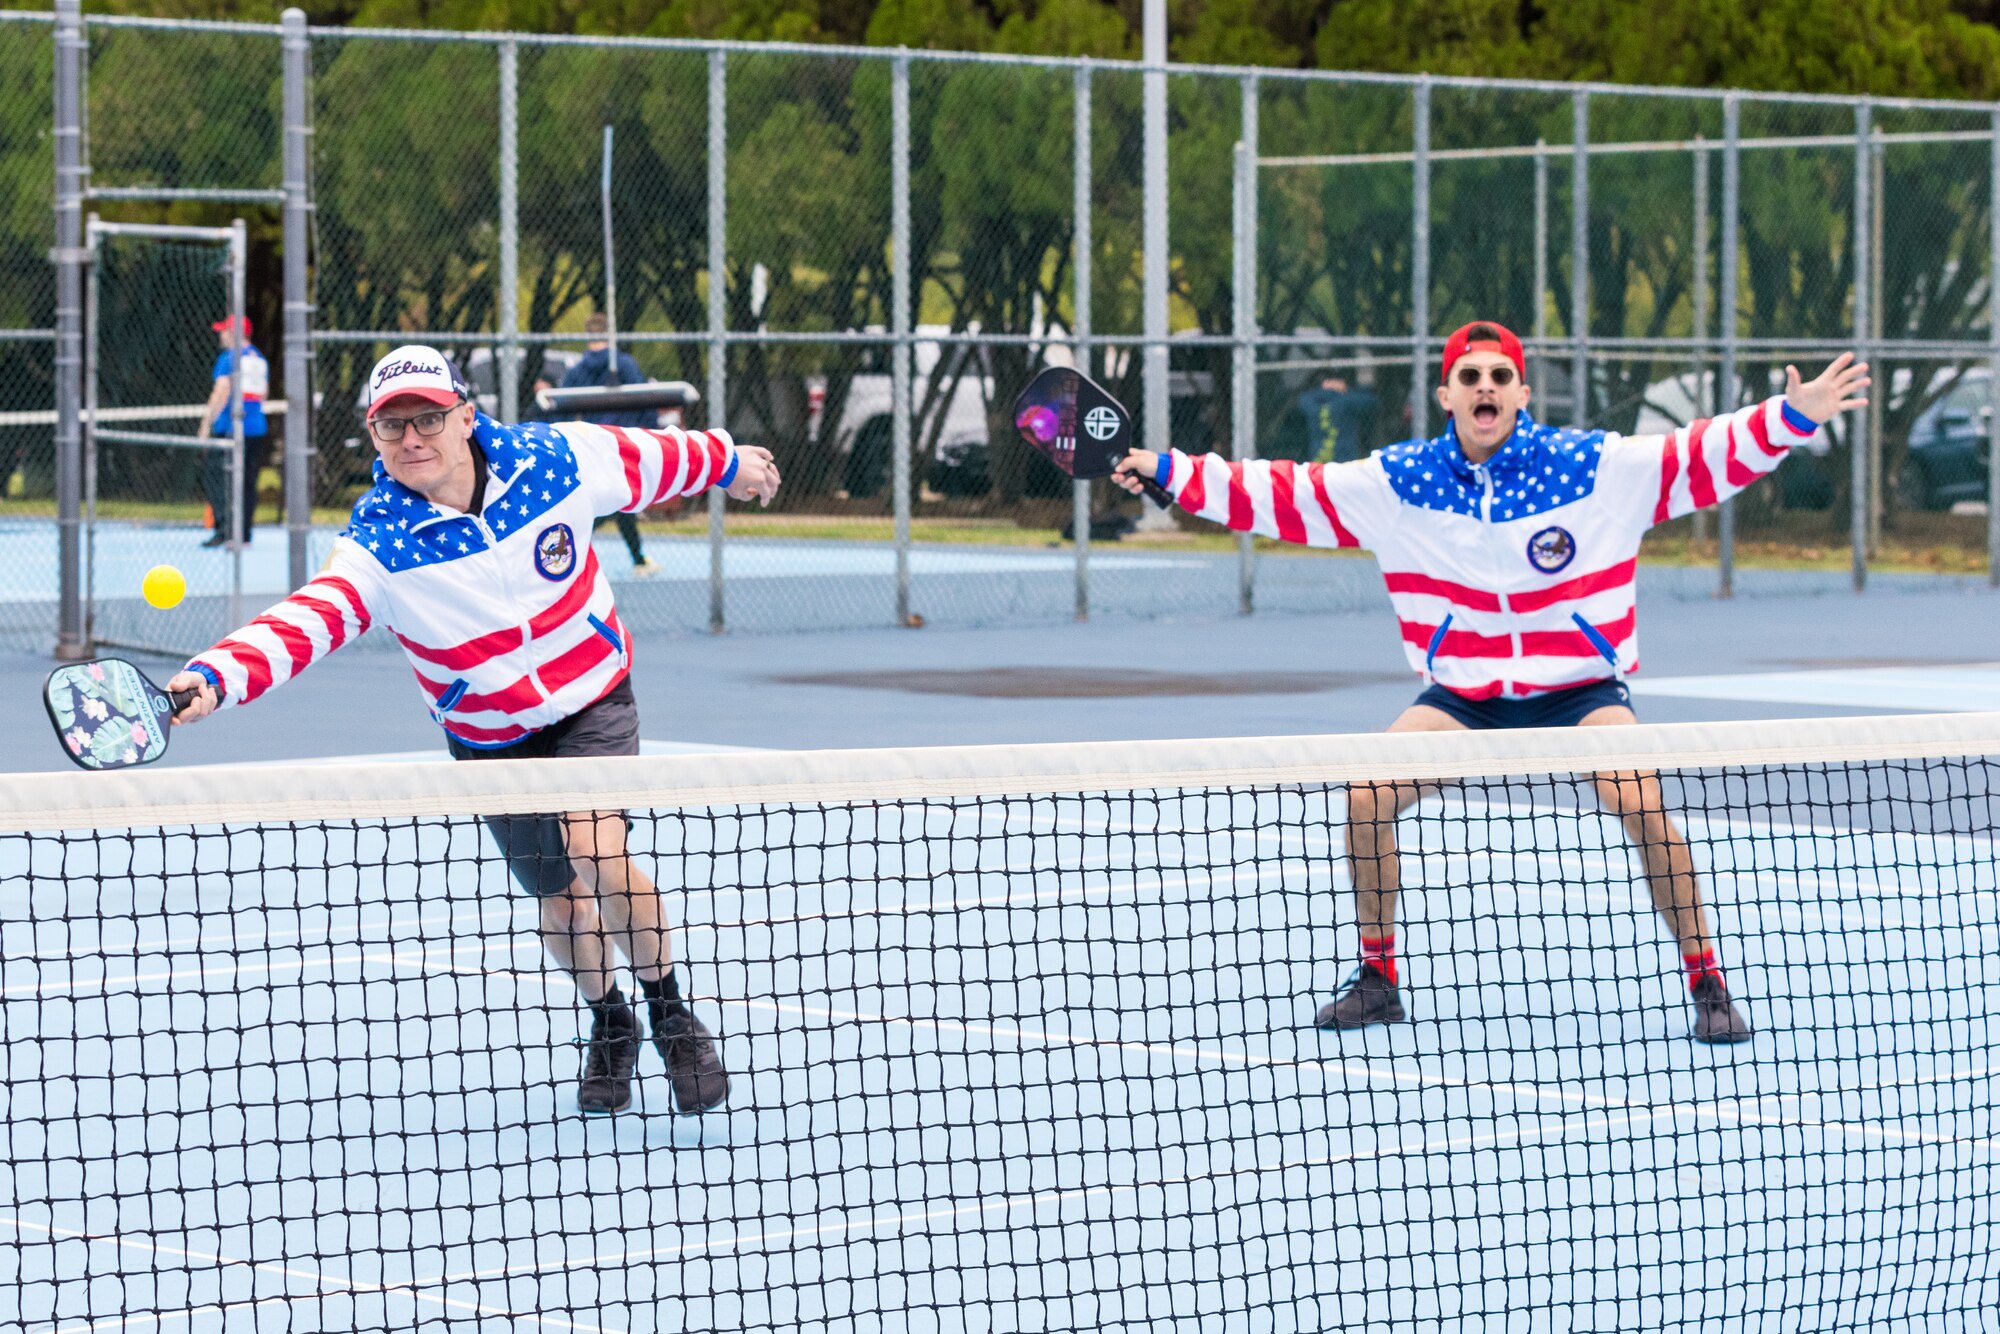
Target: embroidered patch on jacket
point(1551, 549)
point(555, 551)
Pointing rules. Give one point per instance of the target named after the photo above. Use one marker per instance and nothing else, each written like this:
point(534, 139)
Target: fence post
point(298, 298)
point(1420, 253)
point(899, 273)
point(1080, 206)
point(239, 520)
point(1698, 524)
point(1243, 430)
point(1727, 393)
point(71, 641)
point(718, 306)
point(1540, 327)
point(508, 371)
point(1993, 368)
point(1579, 260)
point(1857, 426)
point(1159, 405)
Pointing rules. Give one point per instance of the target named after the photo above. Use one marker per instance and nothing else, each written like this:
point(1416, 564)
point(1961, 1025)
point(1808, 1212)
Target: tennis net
point(1021, 1038)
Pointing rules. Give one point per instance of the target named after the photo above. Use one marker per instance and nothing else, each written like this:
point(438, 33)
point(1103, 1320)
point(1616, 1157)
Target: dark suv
point(1949, 449)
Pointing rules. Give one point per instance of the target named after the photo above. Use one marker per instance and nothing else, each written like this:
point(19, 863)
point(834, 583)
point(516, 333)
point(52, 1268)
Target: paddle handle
point(180, 699)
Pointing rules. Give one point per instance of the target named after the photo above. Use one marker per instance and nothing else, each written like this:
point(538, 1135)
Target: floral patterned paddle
point(108, 715)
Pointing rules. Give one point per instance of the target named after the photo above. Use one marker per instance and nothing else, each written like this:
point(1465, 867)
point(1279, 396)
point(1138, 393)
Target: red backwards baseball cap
point(1483, 336)
point(226, 321)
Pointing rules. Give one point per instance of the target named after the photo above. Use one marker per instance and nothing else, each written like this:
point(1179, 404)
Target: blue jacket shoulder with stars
point(1538, 469)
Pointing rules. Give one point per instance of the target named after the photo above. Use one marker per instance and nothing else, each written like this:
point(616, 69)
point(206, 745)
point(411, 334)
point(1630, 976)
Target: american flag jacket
point(504, 614)
point(1515, 576)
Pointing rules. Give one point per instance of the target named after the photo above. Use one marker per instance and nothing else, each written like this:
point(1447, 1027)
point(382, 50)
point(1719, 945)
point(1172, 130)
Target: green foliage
point(406, 173)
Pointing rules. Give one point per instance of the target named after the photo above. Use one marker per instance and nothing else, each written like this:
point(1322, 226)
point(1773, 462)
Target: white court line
point(340, 1286)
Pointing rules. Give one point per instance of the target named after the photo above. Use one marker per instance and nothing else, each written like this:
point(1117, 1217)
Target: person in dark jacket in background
point(594, 370)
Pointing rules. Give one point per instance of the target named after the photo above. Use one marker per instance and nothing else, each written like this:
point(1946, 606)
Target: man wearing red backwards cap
point(473, 549)
point(1509, 549)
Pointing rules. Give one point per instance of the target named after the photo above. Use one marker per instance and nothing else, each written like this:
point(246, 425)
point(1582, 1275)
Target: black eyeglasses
point(1471, 375)
point(389, 430)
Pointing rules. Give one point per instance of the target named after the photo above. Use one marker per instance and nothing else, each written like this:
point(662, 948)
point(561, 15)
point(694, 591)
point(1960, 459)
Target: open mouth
point(1486, 414)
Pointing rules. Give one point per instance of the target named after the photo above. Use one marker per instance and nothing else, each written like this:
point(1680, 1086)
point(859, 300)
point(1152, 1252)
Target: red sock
point(1700, 966)
point(1381, 953)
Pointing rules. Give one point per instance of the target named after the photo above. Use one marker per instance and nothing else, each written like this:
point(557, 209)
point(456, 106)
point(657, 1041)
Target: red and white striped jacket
point(1515, 576)
point(505, 614)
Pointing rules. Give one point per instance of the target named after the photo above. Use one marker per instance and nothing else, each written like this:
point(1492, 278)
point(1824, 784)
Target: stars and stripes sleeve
point(1707, 461)
point(629, 468)
point(1312, 504)
point(334, 608)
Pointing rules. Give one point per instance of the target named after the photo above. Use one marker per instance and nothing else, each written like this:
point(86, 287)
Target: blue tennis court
point(1014, 1064)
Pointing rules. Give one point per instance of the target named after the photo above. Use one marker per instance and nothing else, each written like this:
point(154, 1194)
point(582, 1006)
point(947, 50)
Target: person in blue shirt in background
point(256, 431)
point(593, 370)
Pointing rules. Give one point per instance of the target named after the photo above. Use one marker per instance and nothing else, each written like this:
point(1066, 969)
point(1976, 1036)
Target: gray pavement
point(1270, 674)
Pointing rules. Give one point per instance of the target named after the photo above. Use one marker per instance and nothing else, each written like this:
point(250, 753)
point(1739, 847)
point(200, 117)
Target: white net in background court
point(1020, 1037)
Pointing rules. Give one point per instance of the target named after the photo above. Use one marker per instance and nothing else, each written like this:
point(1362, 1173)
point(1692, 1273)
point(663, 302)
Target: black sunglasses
point(1471, 375)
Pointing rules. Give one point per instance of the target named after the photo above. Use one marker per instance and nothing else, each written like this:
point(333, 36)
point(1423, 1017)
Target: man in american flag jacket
point(1510, 549)
point(473, 549)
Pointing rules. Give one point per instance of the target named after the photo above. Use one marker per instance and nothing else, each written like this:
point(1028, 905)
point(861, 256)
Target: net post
point(899, 245)
point(1698, 522)
point(1244, 388)
point(718, 307)
point(1579, 259)
point(298, 298)
point(1727, 392)
point(1537, 353)
point(1993, 356)
point(508, 371)
point(1857, 427)
point(72, 640)
point(239, 259)
point(1420, 252)
point(1079, 492)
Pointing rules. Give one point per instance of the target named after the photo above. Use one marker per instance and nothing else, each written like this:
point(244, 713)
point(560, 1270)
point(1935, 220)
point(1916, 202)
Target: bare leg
point(624, 894)
point(1635, 797)
point(1372, 810)
point(573, 934)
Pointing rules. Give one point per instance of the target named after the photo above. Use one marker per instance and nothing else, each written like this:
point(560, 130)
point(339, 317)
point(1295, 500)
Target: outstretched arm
point(332, 609)
point(1708, 461)
point(1312, 504)
point(629, 468)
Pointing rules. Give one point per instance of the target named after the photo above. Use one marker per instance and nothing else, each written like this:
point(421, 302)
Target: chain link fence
point(786, 220)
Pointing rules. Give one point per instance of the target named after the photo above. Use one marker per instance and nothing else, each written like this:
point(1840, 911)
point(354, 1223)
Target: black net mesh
point(1039, 1061)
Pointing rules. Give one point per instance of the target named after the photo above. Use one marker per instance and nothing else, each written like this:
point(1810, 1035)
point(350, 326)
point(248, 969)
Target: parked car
point(1950, 448)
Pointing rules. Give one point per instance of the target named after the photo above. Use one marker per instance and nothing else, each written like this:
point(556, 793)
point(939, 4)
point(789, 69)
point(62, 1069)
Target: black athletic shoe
point(1367, 997)
point(216, 540)
point(1716, 1018)
point(700, 1083)
point(607, 1070)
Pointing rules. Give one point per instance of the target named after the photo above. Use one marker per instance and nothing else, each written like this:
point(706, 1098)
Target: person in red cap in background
point(1510, 550)
point(238, 356)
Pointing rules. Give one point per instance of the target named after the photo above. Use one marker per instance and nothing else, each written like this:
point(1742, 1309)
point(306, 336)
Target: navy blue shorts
point(1553, 708)
point(535, 847)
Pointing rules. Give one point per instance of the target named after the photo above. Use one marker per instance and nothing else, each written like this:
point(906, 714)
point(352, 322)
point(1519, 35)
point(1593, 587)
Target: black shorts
point(534, 846)
point(1553, 708)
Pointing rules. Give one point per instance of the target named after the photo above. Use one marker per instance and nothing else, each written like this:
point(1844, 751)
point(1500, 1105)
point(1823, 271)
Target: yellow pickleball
point(164, 586)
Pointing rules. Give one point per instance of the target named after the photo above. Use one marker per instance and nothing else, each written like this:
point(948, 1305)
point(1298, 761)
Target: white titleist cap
point(418, 372)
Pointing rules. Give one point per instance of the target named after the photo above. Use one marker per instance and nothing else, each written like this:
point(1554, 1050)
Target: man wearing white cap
point(473, 548)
